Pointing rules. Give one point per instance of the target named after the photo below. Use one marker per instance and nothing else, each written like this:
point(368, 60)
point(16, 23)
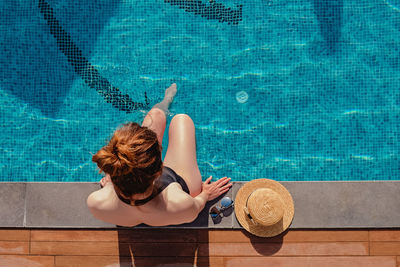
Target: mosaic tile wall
point(288, 90)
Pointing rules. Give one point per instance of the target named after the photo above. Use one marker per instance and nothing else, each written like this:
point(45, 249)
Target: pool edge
point(318, 204)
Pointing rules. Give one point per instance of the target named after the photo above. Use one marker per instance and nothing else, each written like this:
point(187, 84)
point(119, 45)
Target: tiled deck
point(48, 224)
point(201, 247)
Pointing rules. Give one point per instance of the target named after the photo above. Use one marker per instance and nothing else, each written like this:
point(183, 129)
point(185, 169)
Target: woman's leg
point(181, 152)
point(156, 118)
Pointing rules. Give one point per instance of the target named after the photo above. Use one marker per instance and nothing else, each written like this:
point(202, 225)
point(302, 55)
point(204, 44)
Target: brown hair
point(132, 158)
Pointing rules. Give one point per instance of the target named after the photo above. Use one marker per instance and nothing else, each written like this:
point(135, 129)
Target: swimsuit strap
point(167, 177)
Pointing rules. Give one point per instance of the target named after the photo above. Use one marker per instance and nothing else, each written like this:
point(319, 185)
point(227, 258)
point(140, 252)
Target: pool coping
point(318, 204)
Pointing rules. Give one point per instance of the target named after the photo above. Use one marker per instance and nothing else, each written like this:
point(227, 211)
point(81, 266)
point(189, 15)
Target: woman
point(138, 187)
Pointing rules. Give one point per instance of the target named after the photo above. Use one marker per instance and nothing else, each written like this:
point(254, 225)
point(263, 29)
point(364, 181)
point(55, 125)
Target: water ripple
point(61, 166)
point(213, 127)
point(395, 6)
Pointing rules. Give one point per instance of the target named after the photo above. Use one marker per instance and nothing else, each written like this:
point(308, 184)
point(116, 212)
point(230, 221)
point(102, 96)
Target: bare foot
point(170, 93)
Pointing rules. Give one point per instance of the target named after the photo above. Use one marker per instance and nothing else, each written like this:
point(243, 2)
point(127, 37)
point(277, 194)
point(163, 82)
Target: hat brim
point(259, 230)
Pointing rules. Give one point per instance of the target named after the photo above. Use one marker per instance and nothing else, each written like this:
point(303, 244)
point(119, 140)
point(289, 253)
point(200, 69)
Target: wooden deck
point(151, 247)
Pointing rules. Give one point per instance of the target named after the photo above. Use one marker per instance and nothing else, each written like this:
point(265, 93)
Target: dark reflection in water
point(83, 67)
point(329, 14)
point(211, 11)
point(32, 67)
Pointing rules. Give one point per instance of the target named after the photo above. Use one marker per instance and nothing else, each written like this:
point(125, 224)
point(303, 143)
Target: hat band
point(246, 211)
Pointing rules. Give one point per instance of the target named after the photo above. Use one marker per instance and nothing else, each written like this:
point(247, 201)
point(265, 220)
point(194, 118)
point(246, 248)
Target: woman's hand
point(105, 180)
point(217, 188)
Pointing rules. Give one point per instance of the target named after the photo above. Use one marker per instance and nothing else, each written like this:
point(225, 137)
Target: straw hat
point(264, 207)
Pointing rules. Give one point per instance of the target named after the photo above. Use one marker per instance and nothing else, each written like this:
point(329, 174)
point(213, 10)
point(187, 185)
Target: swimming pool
point(288, 90)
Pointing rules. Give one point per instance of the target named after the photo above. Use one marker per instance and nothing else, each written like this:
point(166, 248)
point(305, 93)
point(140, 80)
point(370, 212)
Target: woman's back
point(171, 206)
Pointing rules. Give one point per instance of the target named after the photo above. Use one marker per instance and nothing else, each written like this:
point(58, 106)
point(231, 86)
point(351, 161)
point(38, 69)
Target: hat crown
point(265, 206)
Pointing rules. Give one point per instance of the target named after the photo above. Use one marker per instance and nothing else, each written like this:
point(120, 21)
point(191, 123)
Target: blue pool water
point(283, 89)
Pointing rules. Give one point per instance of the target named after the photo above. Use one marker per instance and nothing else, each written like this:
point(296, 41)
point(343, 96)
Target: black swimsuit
point(167, 177)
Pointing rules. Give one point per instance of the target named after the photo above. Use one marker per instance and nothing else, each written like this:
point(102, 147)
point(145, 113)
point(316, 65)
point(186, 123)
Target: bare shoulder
point(105, 206)
point(100, 199)
point(178, 200)
point(180, 206)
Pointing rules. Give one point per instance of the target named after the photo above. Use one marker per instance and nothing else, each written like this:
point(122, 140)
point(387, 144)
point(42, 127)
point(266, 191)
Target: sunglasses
point(226, 203)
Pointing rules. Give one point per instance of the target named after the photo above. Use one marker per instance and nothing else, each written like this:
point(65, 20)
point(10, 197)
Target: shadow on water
point(159, 247)
point(33, 68)
point(89, 74)
point(329, 15)
point(212, 10)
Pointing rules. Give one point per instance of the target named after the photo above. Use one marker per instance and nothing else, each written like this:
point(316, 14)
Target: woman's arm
point(209, 192)
point(200, 201)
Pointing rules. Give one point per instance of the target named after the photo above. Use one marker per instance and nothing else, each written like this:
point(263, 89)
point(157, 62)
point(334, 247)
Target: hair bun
point(122, 159)
point(131, 157)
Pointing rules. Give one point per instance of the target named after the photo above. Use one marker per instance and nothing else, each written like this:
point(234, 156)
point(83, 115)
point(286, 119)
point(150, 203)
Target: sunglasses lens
point(214, 215)
point(226, 202)
point(214, 212)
